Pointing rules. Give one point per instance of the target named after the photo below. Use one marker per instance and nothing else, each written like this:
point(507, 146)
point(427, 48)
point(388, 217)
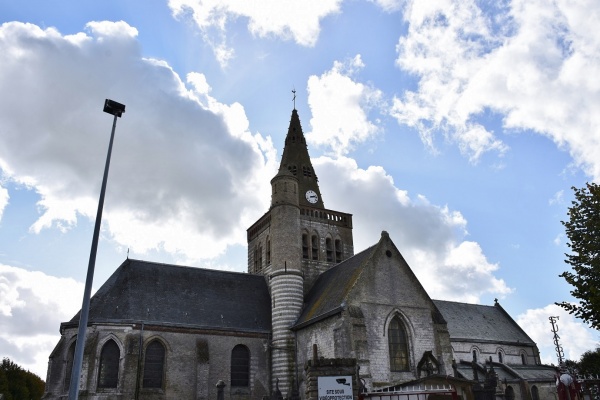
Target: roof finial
point(294, 99)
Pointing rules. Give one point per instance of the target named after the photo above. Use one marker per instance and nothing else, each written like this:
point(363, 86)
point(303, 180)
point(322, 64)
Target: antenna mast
point(559, 350)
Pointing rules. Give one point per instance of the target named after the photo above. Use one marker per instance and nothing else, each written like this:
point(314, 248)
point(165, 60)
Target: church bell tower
point(292, 243)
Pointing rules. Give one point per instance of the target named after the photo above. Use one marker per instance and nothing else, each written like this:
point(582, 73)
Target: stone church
point(159, 331)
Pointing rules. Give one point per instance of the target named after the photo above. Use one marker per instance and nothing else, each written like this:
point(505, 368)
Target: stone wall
point(195, 361)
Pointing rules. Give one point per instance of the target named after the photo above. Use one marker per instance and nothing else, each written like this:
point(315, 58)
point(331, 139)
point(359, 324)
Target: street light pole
point(116, 109)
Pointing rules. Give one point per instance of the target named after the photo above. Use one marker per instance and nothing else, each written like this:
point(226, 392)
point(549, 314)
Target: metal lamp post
point(116, 109)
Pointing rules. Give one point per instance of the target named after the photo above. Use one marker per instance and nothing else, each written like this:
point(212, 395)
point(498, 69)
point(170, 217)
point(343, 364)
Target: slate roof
point(327, 295)
point(531, 373)
point(535, 372)
point(480, 323)
point(164, 294)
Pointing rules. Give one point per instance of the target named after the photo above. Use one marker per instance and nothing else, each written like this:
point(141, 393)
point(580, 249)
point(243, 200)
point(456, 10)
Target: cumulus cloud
point(186, 173)
point(575, 337)
point(533, 63)
point(340, 107)
point(430, 237)
point(299, 21)
point(31, 303)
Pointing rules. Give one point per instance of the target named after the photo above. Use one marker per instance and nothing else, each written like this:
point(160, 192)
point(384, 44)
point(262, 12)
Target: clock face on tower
point(311, 196)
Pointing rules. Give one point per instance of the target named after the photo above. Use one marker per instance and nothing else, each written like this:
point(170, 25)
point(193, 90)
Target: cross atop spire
point(294, 99)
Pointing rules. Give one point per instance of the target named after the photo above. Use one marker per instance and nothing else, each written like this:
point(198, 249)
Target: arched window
point(154, 363)
point(475, 355)
point(268, 250)
point(240, 366)
point(69, 366)
point(108, 373)
point(523, 359)
point(535, 395)
point(398, 344)
point(500, 358)
point(338, 250)
point(255, 258)
point(305, 246)
point(509, 393)
point(329, 249)
point(315, 247)
point(260, 260)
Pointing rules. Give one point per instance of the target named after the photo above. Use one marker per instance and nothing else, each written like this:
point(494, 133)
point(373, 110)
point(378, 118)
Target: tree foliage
point(583, 232)
point(588, 365)
point(19, 384)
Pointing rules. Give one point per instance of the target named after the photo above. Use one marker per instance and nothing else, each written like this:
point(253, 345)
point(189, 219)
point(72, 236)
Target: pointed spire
point(295, 159)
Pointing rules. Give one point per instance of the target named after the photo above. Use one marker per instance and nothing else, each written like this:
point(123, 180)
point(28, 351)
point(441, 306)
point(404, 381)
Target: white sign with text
point(335, 387)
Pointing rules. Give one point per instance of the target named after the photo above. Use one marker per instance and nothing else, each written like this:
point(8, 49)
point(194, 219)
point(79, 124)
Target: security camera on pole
point(116, 109)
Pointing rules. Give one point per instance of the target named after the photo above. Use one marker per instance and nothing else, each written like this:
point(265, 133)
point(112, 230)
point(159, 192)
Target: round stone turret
point(284, 189)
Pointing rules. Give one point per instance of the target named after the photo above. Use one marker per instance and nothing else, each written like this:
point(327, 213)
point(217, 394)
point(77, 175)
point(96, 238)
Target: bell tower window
point(305, 246)
point(258, 258)
point(315, 247)
point(338, 250)
point(268, 249)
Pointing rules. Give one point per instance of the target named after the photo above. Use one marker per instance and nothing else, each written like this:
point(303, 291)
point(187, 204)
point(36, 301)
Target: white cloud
point(430, 237)
point(534, 63)
point(4, 197)
point(389, 5)
point(31, 306)
point(340, 107)
point(295, 20)
point(558, 198)
point(575, 337)
point(186, 174)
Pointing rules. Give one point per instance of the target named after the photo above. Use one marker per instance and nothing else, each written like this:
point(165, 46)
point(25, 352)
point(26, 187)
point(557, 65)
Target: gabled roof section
point(328, 294)
point(163, 294)
point(296, 160)
point(479, 323)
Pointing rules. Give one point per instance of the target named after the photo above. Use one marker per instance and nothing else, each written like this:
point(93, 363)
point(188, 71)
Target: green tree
point(583, 233)
point(589, 364)
point(18, 384)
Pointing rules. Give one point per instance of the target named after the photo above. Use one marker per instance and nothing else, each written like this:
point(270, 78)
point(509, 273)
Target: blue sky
point(459, 127)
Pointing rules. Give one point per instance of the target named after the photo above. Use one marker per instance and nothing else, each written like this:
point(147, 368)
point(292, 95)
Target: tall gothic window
point(500, 358)
point(69, 366)
point(240, 366)
point(535, 395)
point(398, 344)
point(509, 393)
point(108, 373)
point(315, 247)
point(338, 250)
point(329, 249)
point(154, 363)
point(523, 359)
